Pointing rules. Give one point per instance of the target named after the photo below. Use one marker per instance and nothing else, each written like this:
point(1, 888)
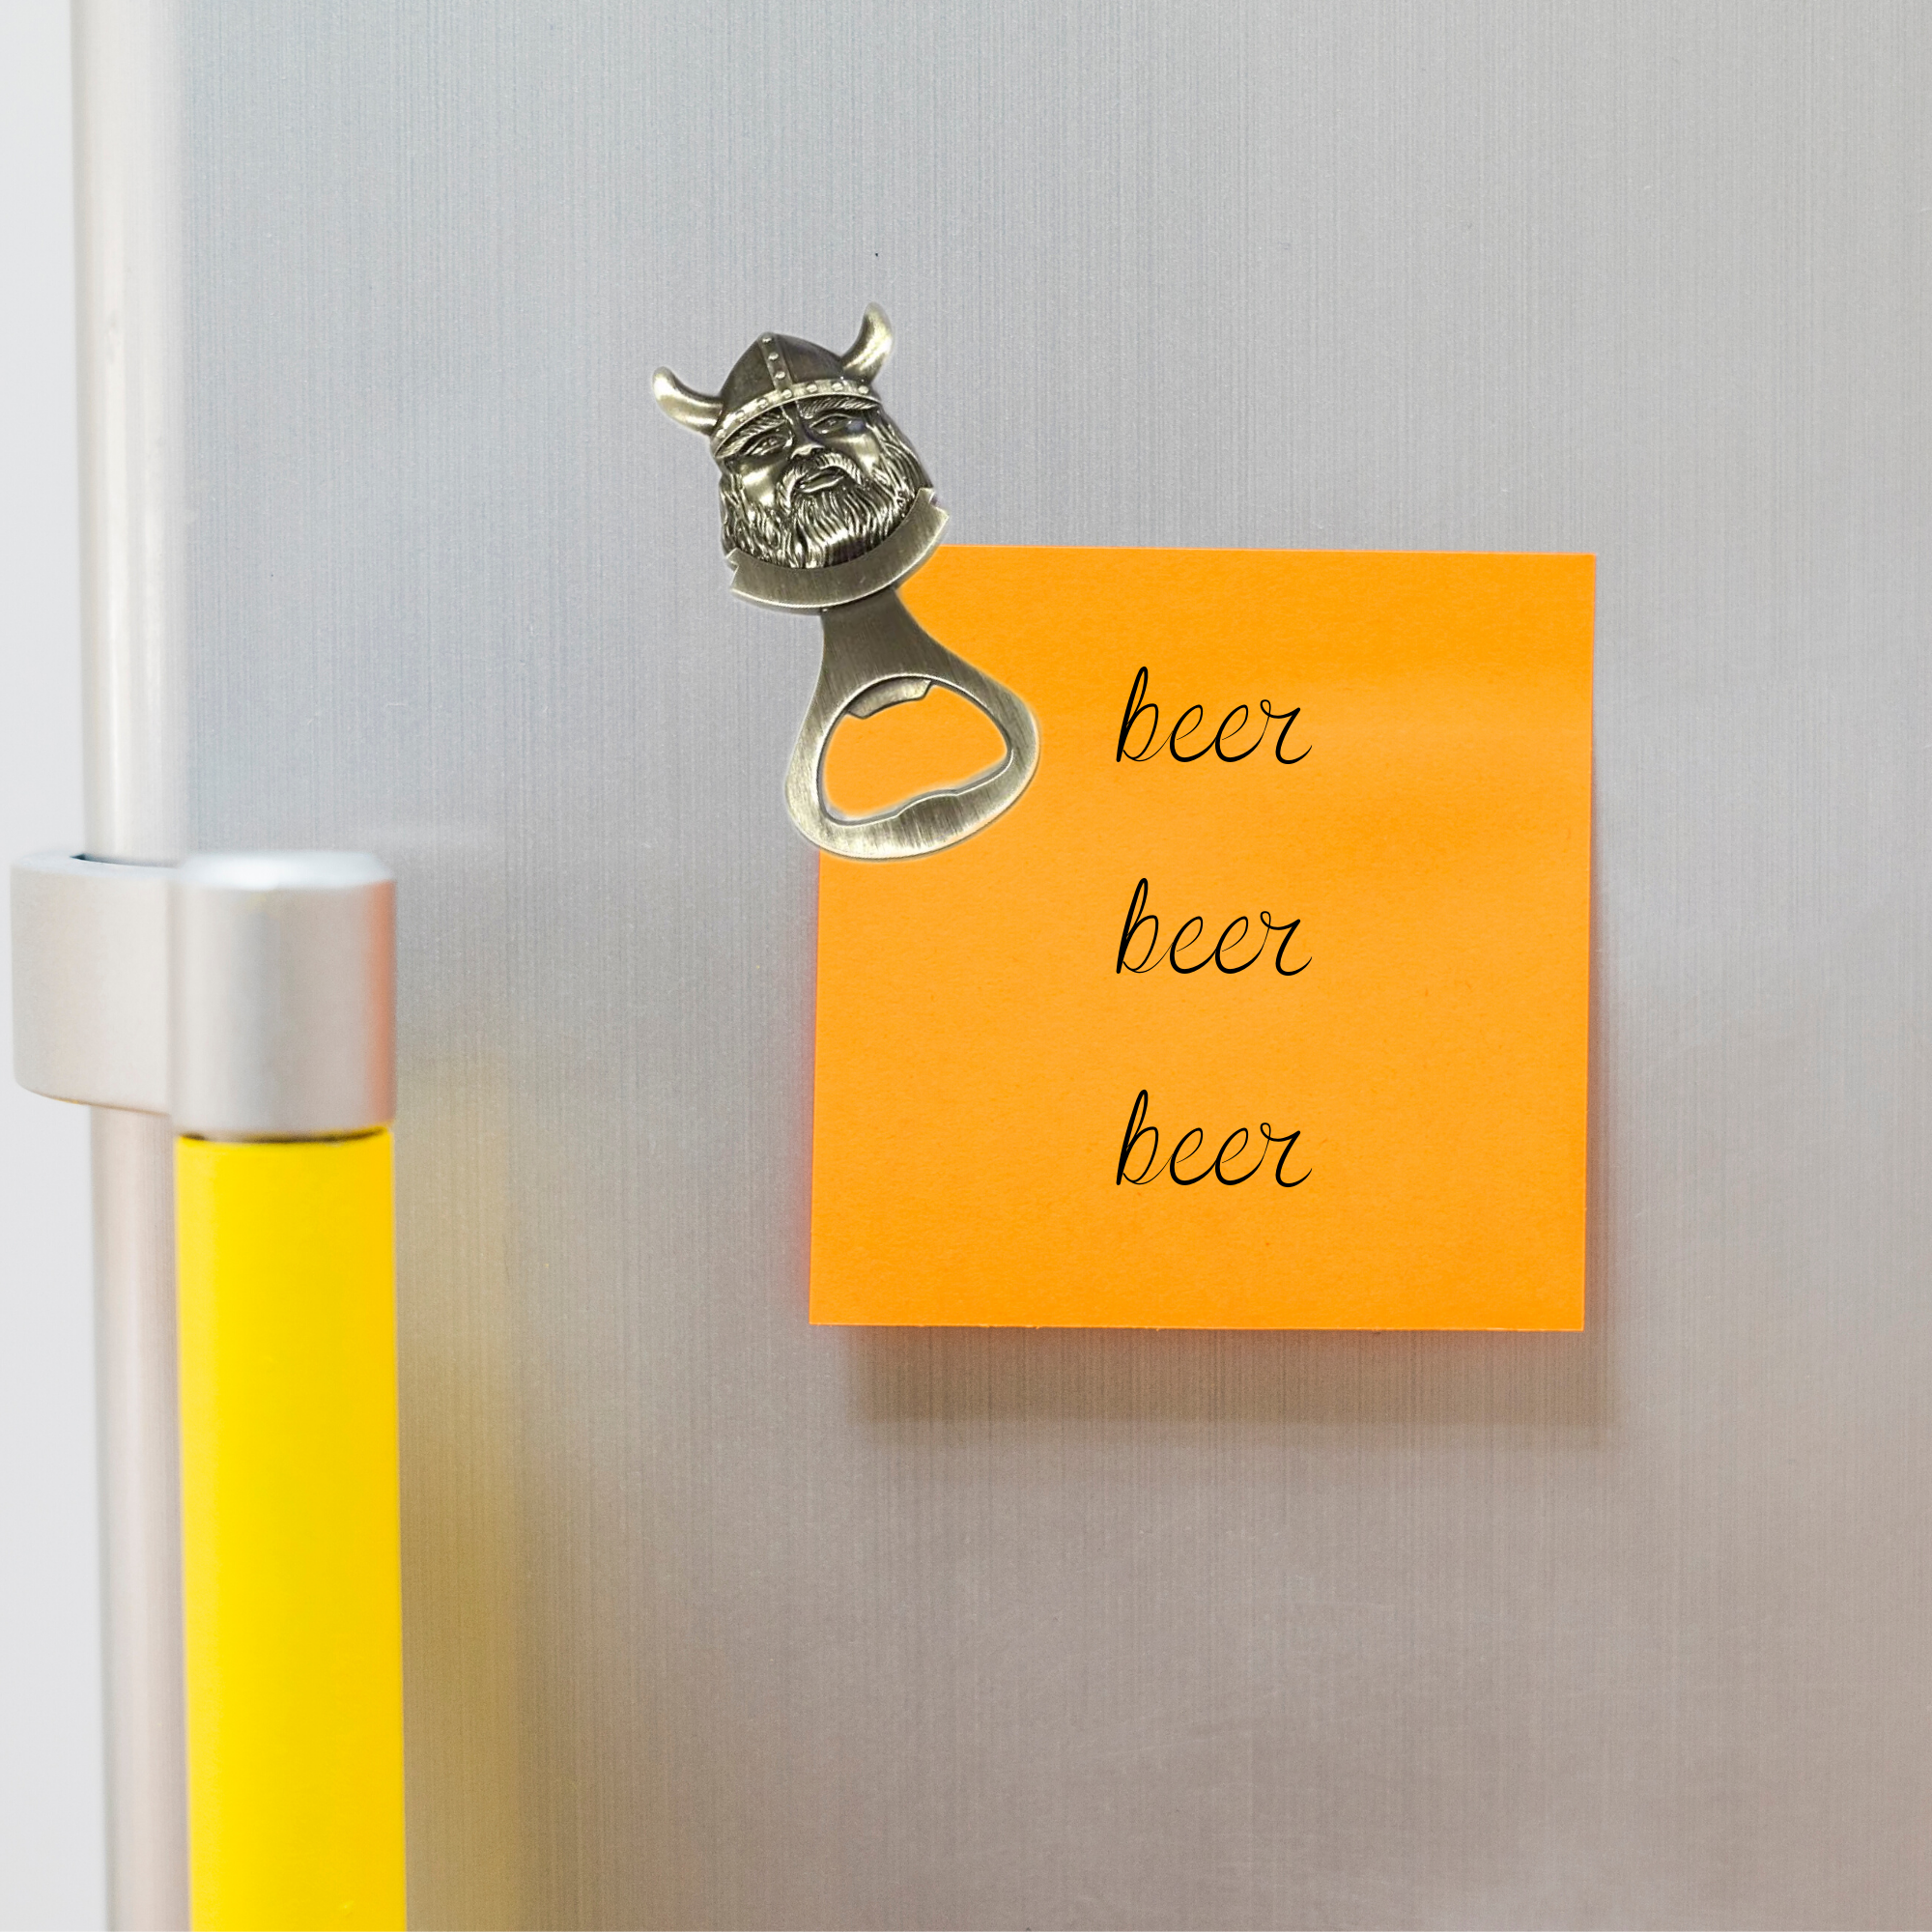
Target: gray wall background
point(51, 1821)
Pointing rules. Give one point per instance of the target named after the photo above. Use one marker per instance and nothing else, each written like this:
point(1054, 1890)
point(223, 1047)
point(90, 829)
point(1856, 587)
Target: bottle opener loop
point(878, 655)
point(827, 507)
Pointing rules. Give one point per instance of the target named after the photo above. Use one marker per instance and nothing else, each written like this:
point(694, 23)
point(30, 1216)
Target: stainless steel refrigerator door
point(716, 1619)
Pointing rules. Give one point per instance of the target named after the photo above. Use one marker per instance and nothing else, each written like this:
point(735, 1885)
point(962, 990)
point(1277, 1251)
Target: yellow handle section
point(290, 1543)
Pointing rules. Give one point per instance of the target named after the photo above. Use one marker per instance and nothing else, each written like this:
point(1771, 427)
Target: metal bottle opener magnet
point(827, 507)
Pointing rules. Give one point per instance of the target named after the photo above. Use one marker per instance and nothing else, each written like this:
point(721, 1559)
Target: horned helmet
point(812, 472)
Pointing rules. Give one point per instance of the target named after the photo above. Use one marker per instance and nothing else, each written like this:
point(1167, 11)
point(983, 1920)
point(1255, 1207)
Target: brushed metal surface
point(714, 1619)
point(281, 995)
point(826, 507)
point(877, 654)
point(130, 270)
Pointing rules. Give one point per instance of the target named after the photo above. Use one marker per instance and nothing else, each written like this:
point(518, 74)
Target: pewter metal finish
point(717, 1619)
point(691, 409)
point(866, 575)
point(90, 981)
point(281, 995)
point(131, 189)
point(874, 654)
point(877, 654)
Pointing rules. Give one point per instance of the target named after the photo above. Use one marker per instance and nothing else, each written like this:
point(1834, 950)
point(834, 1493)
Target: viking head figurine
point(811, 471)
point(827, 507)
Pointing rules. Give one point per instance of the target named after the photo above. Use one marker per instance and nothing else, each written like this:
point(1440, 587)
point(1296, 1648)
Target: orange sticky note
point(1267, 1006)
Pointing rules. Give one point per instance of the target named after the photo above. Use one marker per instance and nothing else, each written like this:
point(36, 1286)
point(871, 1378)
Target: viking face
point(815, 482)
point(811, 471)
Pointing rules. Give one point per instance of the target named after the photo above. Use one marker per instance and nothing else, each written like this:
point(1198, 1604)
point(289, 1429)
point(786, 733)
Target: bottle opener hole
point(933, 743)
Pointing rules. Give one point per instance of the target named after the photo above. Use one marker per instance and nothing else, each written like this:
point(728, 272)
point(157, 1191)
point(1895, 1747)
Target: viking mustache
point(810, 528)
point(799, 475)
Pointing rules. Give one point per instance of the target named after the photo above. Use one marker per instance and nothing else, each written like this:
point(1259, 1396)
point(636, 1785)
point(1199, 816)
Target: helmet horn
point(866, 356)
point(685, 408)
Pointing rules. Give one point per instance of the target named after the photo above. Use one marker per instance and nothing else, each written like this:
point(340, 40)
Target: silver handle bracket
point(244, 995)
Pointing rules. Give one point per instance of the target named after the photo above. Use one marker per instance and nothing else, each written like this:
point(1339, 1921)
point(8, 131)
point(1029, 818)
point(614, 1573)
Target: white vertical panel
point(51, 1866)
point(131, 280)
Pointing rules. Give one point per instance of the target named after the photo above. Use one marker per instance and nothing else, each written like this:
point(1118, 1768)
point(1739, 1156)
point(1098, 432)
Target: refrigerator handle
point(250, 997)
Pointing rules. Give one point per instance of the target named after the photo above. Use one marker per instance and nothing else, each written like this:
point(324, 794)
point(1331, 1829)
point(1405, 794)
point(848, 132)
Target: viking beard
point(810, 528)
